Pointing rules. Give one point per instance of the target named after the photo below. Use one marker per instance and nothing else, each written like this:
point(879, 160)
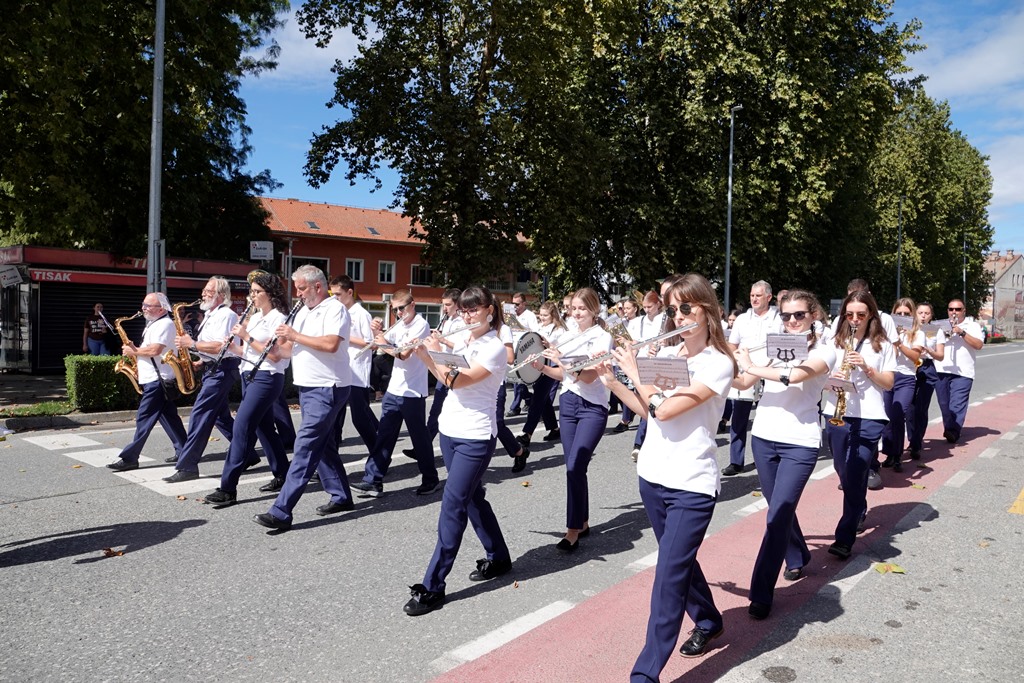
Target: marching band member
point(529, 322)
point(864, 350)
point(361, 335)
point(629, 309)
point(649, 324)
point(749, 330)
point(545, 389)
point(582, 411)
point(255, 416)
point(678, 473)
point(513, 446)
point(956, 370)
point(785, 439)
point(468, 428)
point(899, 400)
point(405, 400)
point(319, 357)
point(927, 379)
point(154, 405)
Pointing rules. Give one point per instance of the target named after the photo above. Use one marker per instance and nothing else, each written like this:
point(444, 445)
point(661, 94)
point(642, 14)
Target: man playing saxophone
point(154, 405)
point(211, 406)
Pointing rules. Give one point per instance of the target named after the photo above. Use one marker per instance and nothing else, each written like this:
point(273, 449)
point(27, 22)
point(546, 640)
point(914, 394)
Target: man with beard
point(211, 406)
point(153, 406)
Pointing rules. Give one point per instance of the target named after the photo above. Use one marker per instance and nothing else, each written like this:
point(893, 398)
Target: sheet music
point(833, 383)
point(449, 360)
point(944, 325)
point(664, 373)
point(787, 348)
point(903, 321)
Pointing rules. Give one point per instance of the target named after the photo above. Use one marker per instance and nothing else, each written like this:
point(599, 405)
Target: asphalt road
point(187, 592)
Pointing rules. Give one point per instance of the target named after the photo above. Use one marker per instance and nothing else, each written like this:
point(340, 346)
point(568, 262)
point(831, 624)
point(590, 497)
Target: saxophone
point(178, 358)
point(128, 364)
point(845, 370)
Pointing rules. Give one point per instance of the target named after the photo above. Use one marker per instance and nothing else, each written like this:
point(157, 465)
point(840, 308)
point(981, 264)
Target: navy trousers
point(394, 410)
point(520, 392)
point(679, 520)
point(542, 407)
point(505, 435)
point(464, 500)
point(738, 431)
point(899, 405)
point(783, 470)
point(582, 424)
point(440, 394)
point(854, 446)
point(315, 451)
point(363, 418)
point(255, 418)
point(641, 433)
point(927, 380)
point(283, 422)
point(954, 393)
point(154, 407)
point(209, 410)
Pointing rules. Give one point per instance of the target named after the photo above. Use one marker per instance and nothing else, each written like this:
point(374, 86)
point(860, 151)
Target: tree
point(75, 111)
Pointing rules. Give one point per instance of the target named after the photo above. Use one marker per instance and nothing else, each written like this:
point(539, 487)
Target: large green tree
point(76, 84)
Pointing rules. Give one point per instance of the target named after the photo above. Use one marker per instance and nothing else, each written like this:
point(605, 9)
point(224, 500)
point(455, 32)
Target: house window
point(422, 276)
point(354, 269)
point(321, 263)
point(386, 272)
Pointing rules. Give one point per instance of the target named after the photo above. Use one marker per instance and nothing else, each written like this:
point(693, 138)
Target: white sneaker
point(874, 480)
point(635, 454)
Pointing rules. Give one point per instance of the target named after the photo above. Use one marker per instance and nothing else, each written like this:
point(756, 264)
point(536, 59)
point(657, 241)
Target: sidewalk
point(22, 389)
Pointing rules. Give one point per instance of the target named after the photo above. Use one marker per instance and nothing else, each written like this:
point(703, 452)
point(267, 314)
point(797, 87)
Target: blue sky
point(974, 59)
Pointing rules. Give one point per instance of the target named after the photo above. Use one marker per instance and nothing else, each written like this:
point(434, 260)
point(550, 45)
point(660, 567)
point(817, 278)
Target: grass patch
point(37, 409)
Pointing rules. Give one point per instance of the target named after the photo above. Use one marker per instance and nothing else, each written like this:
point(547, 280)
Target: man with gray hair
point(154, 405)
point(211, 405)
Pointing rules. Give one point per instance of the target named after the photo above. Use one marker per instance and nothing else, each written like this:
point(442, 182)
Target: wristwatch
point(784, 375)
point(654, 403)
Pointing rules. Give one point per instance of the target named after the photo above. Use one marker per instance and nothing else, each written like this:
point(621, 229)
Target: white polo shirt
point(959, 357)
point(594, 340)
point(468, 411)
point(409, 376)
point(261, 328)
point(789, 414)
point(904, 365)
point(312, 368)
point(160, 331)
point(216, 326)
point(360, 326)
point(642, 327)
point(867, 402)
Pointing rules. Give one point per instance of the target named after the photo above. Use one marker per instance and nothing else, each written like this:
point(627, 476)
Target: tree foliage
point(76, 83)
point(599, 132)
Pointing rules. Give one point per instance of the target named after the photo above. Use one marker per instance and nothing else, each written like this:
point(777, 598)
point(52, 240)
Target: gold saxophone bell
point(618, 332)
point(127, 365)
point(179, 358)
point(513, 322)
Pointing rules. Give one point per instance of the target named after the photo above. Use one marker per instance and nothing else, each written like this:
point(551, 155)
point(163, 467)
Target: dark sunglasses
point(955, 308)
point(798, 315)
point(685, 309)
point(860, 315)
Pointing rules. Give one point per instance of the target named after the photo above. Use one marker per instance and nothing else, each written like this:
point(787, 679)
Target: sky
point(974, 59)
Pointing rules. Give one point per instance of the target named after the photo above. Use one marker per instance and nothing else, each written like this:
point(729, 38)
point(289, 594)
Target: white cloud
point(1007, 166)
point(302, 64)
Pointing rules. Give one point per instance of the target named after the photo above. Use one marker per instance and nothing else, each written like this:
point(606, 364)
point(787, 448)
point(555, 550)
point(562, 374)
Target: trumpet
point(534, 356)
point(582, 365)
point(619, 331)
point(416, 342)
point(513, 322)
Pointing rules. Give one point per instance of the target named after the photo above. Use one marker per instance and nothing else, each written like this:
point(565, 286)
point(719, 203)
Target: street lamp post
point(899, 249)
point(728, 215)
point(155, 279)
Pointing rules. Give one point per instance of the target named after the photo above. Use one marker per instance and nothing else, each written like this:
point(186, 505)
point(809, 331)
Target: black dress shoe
point(512, 413)
point(840, 550)
point(584, 533)
point(759, 610)
point(273, 486)
point(423, 601)
point(180, 476)
point(949, 436)
point(697, 644)
point(915, 455)
point(524, 439)
point(553, 435)
point(221, 498)
point(171, 460)
point(519, 461)
point(621, 427)
point(566, 547)
point(490, 569)
point(368, 490)
point(271, 522)
point(793, 574)
point(427, 488)
point(732, 470)
point(249, 465)
point(122, 466)
point(889, 461)
point(333, 508)
point(409, 453)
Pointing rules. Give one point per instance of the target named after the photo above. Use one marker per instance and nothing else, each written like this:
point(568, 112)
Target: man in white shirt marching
point(956, 370)
point(361, 335)
point(525, 316)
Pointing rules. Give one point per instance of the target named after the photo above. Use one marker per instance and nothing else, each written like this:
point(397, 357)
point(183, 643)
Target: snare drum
point(529, 344)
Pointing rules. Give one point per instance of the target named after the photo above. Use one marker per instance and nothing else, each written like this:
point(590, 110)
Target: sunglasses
point(685, 309)
point(859, 315)
point(797, 315)
point(955, 308)
point(400, 309)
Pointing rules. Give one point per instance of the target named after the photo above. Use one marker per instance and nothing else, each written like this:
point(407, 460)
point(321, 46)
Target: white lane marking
point(97, 458)
point(1009, 436)
point(989, 398)
point(935, 420)
point(1001, 353)
point(499, 636)
point(976, 404)
point(847, 584)
point(645, 562)
point(109, 431)
point(152, 479)
point(989, 453)
point(824, 472)
point(756, 506)
point(61, 441)
point(959, 479)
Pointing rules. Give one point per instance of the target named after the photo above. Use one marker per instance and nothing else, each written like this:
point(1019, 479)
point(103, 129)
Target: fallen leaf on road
point(515, 584)
point(76, 467)
point(888, 568)
point(214, 438)
point(917, 486)
point(756, 494)
point(525, 484)
point(983, 544)
point(182, 497)
point(110, 552)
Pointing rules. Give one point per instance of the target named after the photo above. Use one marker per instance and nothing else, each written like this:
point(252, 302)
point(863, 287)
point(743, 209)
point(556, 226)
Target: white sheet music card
point(664, 373)
point(904, 322)
point(508, 308)
point(449, 360)
point(833, 383)
point(787, 347)
point(944, 325)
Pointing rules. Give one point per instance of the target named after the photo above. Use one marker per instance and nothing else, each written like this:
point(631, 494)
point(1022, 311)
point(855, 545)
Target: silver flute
point(581, 365)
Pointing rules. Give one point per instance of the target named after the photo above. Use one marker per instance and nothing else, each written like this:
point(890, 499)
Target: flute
point(372, 345)
point(535, 356)
point(273, 340)
point(581, 365)
point(416, 342)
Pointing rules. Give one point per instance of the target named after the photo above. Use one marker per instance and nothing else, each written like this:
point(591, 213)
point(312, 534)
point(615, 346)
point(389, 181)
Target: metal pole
point(899, 249)
point(965, 269)
point(155, 279)
point(728, 215)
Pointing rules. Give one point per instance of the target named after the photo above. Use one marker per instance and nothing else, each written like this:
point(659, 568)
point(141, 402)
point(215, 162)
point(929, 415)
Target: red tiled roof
point(1000, 263)
point(292, 216)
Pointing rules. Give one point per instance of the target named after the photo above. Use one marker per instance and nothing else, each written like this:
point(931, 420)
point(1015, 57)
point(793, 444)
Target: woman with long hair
point(865, 354)
point(899, 401)
point(552, 327)
point(785, 439)
point(678, 472)
point(582, 410)
point(926, 380)
point(468, 429)
point(255, 417)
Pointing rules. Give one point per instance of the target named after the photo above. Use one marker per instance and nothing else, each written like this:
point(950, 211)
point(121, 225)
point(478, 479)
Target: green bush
point(94, 386)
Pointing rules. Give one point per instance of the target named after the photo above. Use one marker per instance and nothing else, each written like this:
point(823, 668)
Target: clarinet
point(273, 340)
point(241, 321)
